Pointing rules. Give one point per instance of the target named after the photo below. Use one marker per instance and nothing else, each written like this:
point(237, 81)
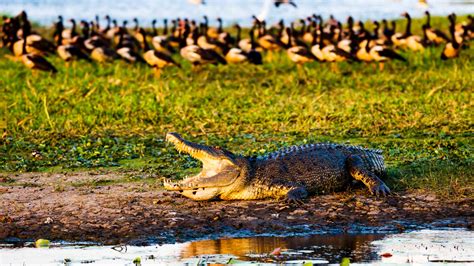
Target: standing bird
point(35, 61)
point(68, 52)
point(156, 59)
point(237, 55)
point(197, 55)
point(298, 54)
point(380, 54)
point(452, 48)
point(433, 36)
point(408, 40)
point(125, 50)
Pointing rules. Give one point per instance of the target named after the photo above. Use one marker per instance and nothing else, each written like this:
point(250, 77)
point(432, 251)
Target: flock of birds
point(305, 40)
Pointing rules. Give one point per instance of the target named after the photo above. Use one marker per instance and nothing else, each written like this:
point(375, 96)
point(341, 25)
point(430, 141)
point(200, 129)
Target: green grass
point(90, 116)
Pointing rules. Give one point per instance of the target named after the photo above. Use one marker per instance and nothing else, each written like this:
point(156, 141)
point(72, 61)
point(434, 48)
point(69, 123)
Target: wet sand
point(61, 207)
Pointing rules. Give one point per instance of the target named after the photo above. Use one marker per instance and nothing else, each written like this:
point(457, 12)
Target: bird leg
point(196, 67)
point(300, 70)
point(270, 56)
point(157, 72)
point(381, 66)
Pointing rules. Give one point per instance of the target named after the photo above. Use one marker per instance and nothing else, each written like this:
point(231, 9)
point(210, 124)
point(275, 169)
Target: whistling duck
point(236, 55)
point(35, 61)
point(211, 31)
point(197, 55)
point(99, 49)
point(92, 39)
point(267, 41)
point(139, 37)
point(452, 48)
point(363, 54)
point(317, 45)
point(125, 50)
point(58, 28)
point(10, 27)
point(69, 52)
point(157, 59)
point(434, 36)
point(105, 31)
point(408, 40)
point(332, 53)
point(223, 37)
point(469, 27)
point(110, 34)
point(35, 44)
point(254, 56)
point(295, 37)
point(97, 25)
point(103, 54)
point(26, 25)
point(388, 32)
point(350, 44)
point(307, 33)
point(160, 42)
point(207, 42)
point(380, 54)
point(298, 54)
point(375, 36)
point(68, 34)
point(243, 44)
point(362, 33)
point(464, 31)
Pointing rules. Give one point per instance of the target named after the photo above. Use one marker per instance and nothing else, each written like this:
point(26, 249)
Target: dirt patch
point(103, 207)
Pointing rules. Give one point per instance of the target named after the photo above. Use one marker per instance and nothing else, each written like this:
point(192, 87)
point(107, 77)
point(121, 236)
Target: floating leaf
point(309, 262)
point(276, 252)
point(42, 243)
point(137, 261)
point(345, 262)
point(386, 255)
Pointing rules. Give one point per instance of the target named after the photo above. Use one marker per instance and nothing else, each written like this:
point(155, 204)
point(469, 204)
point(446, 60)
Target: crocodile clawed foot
point(294, 202)
point(380, 190)
point(295, 196)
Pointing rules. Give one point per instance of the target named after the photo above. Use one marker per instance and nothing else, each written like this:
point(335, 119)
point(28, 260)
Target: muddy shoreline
point(101, 207)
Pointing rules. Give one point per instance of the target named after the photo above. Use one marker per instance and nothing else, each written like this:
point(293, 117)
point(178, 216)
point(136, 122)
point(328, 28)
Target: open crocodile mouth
point(218, 166)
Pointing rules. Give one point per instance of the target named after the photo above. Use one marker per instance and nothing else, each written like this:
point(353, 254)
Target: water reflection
point(422, 247)
point(330, 247)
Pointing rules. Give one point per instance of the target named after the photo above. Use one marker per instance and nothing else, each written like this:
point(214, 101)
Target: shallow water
point(419, 247)
point(46, 11)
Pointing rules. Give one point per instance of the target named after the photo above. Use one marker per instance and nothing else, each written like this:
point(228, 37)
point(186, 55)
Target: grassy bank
point(89, 115)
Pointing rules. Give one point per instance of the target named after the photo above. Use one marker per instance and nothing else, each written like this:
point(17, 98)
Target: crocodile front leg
point(358, 171)
point(296, 195)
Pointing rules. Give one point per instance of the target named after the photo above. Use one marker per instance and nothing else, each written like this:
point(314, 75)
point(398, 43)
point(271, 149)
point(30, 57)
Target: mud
point(75, 207)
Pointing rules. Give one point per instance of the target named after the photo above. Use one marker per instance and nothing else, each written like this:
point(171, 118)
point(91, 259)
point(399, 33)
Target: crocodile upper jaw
point(219, 170)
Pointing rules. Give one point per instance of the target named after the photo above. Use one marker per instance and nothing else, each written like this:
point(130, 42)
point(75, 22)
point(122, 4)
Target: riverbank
point(125, 208)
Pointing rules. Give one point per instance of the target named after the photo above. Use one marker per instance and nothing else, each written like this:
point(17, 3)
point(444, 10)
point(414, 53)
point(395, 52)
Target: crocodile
point(290, 174)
